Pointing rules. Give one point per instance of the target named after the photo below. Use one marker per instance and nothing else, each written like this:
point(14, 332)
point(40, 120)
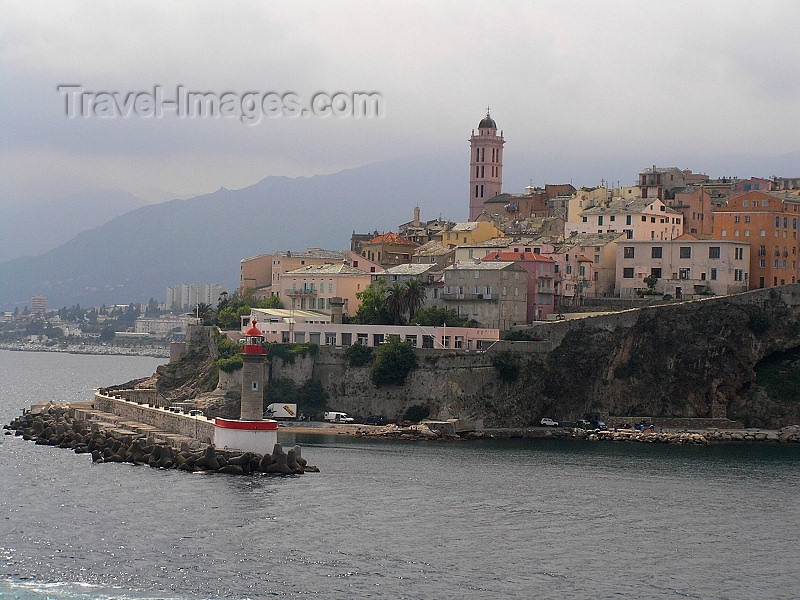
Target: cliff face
point(691, 360)
point(735, 357)
point(696, 359)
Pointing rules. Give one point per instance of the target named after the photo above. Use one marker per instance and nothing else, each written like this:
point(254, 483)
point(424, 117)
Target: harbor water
point(385, 519)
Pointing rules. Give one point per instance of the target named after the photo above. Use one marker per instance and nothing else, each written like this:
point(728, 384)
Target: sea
point(387, 519)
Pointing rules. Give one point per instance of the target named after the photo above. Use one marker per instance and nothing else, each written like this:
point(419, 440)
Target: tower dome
point(487, 122)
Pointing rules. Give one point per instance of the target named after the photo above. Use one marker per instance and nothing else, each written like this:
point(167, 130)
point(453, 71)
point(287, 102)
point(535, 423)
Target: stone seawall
point(198, 428)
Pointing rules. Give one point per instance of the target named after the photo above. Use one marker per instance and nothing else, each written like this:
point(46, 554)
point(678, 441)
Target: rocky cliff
point(734, 357)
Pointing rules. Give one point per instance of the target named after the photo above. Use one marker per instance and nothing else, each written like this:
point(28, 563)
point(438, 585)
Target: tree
point(107, 334)
point(650, 281)
point(204, 312)
point(394, 362)
point(271, 302)
point(415, 296)
point(396, 303)
point(373, 310)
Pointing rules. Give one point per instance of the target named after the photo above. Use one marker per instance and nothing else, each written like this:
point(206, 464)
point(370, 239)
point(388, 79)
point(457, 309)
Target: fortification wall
point(198, 428)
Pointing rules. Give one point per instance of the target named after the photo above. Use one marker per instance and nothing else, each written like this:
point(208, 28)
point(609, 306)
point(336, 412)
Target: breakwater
point(59, 425)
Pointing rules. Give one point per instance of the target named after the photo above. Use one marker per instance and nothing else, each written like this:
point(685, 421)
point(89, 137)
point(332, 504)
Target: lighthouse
point(250, 432)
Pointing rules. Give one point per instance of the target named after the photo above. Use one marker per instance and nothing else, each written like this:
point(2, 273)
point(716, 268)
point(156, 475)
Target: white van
point(338, 417)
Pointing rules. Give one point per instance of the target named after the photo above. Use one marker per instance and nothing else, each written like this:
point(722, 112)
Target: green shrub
point(759, 320)
point(226, 348)
point(416, 413)
point(229, 365)
point(358, 355)
point(288, 352)
point(394, 362)
point(507, 365)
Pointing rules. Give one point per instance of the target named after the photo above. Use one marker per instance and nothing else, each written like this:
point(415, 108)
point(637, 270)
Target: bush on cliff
point(507, 365)
point(358, 355)
point(288, 352)
point(394, 362)
point(229, 365)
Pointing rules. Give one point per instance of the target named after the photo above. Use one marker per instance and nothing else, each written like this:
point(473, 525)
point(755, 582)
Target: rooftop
point(433, 248)
point(408, 269)
point(390, 238)
point(340, 269)
point(626, 206)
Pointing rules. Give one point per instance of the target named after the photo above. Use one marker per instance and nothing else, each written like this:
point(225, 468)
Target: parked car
point(598, 424)
point(375, 420)
point(547, 422)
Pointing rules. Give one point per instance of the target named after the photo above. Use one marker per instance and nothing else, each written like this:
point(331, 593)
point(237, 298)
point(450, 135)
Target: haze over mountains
point(138, 254)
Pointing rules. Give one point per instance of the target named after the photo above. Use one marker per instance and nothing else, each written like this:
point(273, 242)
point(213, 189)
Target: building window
point(655, 252)
point(713, 252)
point(628, 252)
point(627, 272)
point(713, 274)
point(747, 218)
point(656, 272)
point(584, 219)
point(685, 273)
point(736, 219)
point(600, 220)
point(628, 220)
point(686, 252)
point(738, 253)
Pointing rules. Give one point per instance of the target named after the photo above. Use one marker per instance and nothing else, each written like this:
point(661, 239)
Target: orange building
point(768, 222)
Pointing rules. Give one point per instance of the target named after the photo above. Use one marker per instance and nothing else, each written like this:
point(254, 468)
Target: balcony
point(466, 296)
point(543, 289)
point(305, 292)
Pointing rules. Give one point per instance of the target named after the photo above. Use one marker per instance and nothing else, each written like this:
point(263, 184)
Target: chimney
point(337, 306)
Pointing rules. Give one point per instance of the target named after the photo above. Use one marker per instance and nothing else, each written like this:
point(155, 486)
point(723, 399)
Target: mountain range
point(135, 256)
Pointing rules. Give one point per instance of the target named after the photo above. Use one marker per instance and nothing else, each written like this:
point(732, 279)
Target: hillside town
point(545, 253)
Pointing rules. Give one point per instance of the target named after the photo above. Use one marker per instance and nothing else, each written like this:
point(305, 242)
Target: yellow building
point(470, 233)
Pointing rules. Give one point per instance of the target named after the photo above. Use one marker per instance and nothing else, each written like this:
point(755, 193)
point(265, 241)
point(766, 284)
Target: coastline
point(94, 349)
point(786, 435)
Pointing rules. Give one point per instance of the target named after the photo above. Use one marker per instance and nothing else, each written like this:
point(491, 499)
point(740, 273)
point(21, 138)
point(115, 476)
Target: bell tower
point(485, 165)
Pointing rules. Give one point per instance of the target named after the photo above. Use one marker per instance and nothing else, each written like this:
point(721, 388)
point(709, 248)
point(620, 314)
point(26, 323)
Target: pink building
point(541, 287)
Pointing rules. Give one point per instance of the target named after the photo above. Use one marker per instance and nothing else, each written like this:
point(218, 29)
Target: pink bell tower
point(486, 165)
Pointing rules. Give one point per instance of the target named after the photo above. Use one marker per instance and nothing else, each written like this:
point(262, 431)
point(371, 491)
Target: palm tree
point(415, 296)
point(396, 302)
point(203, 311)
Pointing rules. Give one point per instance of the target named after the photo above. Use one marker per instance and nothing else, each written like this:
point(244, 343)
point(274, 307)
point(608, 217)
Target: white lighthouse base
point(245, 436)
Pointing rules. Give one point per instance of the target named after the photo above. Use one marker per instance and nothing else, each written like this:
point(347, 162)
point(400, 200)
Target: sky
point(570, 83)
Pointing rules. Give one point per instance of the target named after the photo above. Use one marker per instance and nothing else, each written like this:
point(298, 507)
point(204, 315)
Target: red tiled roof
point(391, 238)
point(514, 256)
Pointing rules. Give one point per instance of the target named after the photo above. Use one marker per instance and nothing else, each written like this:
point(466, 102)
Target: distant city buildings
point(38, 305)
point(186, 296)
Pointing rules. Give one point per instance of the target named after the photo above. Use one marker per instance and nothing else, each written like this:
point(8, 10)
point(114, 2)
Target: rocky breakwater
point(54, 426)
point(785, 435)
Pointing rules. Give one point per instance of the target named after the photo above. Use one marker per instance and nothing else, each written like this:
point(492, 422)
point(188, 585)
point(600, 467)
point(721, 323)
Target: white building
point(684, 267)
point(186, 296)
point(637, 218)
point(163, 326)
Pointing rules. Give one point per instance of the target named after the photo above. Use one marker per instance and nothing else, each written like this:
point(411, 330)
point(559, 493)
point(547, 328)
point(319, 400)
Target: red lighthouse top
point(254, 340)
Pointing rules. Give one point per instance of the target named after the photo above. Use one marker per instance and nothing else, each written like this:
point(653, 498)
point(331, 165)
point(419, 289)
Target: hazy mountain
point(202, 239)
point(31, 227)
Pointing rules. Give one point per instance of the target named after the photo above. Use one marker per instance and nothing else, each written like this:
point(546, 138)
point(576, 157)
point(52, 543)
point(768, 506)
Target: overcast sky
point(574, 81)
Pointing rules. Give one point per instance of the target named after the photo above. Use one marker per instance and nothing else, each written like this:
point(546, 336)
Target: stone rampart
point(198, 428)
